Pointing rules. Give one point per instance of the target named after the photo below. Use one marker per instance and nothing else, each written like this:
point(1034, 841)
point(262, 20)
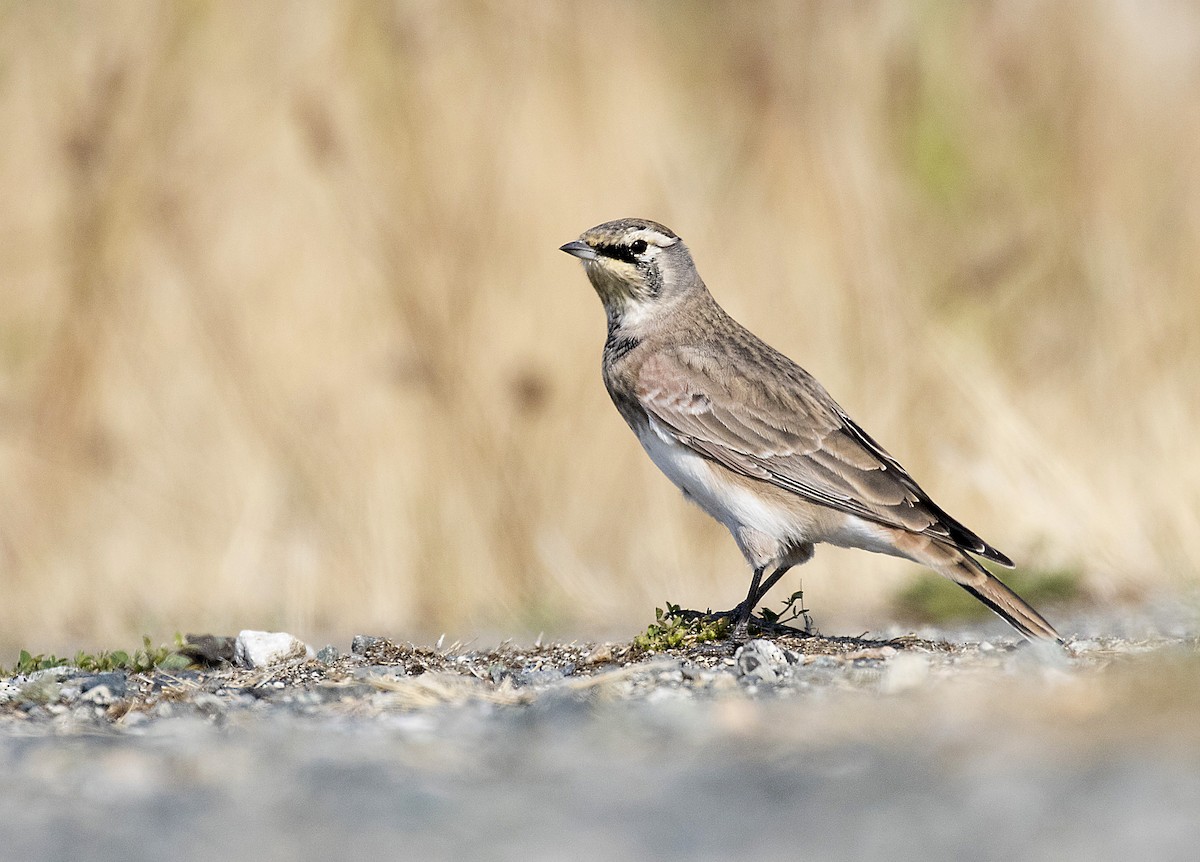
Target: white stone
point(763, 660)
point(261, 649)
point(100, 695)
point(904, 672)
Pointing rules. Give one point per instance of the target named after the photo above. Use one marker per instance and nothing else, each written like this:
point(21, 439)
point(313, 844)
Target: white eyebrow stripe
point(654, 237)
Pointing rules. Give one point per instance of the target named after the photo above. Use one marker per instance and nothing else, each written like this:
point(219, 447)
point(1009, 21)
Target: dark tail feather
point(1006, 604)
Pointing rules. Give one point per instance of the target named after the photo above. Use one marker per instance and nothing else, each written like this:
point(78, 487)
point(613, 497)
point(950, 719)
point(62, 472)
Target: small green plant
point(793, 609)
point(138, 661)
point(27, 663)
point(674, 628)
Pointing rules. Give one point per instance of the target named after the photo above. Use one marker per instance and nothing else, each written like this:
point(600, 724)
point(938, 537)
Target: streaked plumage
point(753, 438)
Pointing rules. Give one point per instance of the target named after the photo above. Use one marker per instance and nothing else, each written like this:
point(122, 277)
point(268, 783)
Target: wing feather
point(783, 428)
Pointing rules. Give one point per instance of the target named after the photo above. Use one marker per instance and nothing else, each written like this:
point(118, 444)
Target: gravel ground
point(826, 748)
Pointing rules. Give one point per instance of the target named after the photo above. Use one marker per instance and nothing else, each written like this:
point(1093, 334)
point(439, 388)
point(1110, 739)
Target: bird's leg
point(758, 590)
point(768, 583)
point(741, 614)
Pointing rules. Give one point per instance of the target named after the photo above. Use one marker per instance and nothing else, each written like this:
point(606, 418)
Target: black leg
point(752, 594)
point(741, 614)
point(758, 590)
point(768, 583)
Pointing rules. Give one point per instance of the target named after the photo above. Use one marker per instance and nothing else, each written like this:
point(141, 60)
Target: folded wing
point(782, 427)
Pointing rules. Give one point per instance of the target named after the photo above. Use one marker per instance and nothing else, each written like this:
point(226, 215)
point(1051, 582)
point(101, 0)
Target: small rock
point(115, 682)
point(722, 681)
point(162, 680)
point(379, 671)
point(209, 704)
point(41, 690)
point(362, 643)
point(101, 695)
point(335, 692)
point(870, 653)
point(762, 660)
point(1044, 654)
point(904, 672)
point(8, 691)
point(328, 654)
point(538, 677)
point(663, 694)
point(133, 718)
point(262, 649)
point(600, 654)
point(209, 649)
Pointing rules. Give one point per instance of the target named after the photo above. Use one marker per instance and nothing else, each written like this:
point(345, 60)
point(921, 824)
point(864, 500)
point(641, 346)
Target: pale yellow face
point(627, 261)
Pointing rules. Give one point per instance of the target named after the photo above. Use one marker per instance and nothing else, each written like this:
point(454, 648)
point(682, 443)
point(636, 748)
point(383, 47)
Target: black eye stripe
point(628, 253)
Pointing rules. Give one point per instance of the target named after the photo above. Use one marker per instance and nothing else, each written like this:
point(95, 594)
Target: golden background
point(286, 340)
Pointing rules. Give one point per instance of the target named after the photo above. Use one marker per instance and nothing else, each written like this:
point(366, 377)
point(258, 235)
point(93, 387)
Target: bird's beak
point(578, 249)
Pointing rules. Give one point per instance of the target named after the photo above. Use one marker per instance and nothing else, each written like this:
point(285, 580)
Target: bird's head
point(637, 266)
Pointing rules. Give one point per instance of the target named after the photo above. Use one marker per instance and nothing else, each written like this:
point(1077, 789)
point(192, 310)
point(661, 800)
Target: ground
point(807, 747)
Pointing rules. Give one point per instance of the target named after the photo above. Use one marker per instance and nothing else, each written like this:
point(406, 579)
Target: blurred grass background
point(286, 340)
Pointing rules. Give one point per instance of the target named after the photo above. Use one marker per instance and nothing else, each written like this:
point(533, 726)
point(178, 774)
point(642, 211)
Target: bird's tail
point(1014, 610)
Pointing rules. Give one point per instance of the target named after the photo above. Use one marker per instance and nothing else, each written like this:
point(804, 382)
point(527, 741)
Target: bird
point(754, 439)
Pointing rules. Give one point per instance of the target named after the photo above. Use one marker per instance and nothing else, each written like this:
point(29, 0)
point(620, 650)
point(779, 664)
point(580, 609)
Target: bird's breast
point(729, 498)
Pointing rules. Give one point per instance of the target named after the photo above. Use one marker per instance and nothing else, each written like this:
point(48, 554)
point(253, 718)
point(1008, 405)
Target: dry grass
point(285, 339)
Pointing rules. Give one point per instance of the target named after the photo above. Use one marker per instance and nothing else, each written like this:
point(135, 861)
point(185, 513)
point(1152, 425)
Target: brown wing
point(778, 424)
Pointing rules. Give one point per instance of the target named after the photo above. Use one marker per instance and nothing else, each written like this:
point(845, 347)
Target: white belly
point(712, 488)
point(736, 505)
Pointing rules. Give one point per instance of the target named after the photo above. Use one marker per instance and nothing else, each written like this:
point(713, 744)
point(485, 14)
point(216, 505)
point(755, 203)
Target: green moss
point(674, 628)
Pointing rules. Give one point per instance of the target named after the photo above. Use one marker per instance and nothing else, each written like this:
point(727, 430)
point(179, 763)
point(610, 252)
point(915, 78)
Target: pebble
point(722, 681)
point(762, 660)
point(600, 654)
point(101, 695)
point(40, 690)
point(540, 676)
point(263, 649)
point(115, 682)
point(376, 671)
point(361, 643)
point(134, 718)
point(209, 704)
point(904, 672)
point(328, 654)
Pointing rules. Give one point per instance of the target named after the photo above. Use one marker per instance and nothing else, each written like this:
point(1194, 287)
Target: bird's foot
point(745, 624)
point(741, 621)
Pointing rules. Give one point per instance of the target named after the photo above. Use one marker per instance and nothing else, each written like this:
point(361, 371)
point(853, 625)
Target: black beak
point(578, 249)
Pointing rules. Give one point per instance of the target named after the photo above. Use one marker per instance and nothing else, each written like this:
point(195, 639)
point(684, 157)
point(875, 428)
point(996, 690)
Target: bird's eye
point(637, 246)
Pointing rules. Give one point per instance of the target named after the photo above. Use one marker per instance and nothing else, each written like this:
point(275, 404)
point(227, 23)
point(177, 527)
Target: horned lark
point(753, 438)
